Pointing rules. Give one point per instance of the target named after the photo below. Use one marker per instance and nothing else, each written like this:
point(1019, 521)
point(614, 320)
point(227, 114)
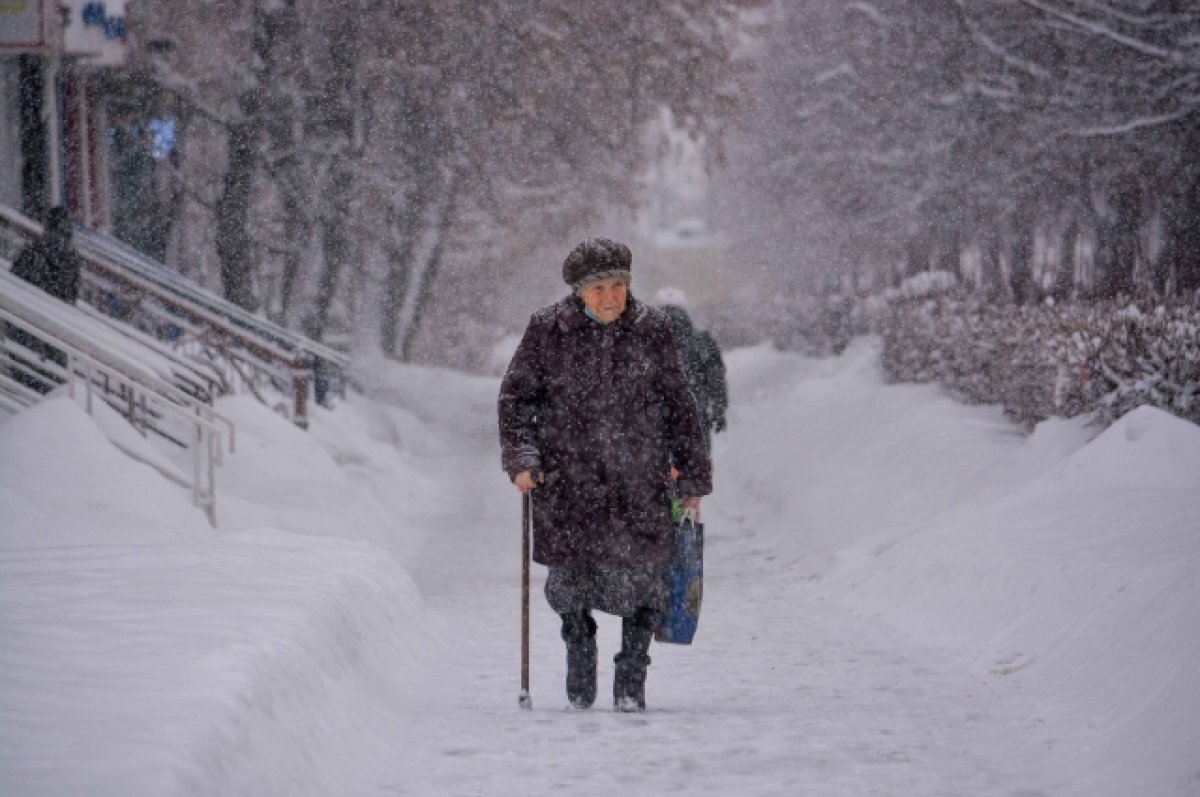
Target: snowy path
point(904, 596)
point(807, 702)
point(783, 693)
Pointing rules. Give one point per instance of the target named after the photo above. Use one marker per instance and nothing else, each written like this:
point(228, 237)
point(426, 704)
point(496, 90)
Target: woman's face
point(605, 298)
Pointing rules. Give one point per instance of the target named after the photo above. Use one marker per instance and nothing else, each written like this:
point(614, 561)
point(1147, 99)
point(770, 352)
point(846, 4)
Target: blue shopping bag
point(685, 579)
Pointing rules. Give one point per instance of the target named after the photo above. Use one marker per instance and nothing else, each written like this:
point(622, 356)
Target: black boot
point(629, 685)
point(579, 632)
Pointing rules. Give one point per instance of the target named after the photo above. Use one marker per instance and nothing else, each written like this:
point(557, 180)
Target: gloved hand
point(719, 423)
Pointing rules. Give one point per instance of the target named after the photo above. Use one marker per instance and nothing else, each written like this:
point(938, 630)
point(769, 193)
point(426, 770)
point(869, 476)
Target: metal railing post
point(87, 374)
point(300, 391)
point(197, 441)
point(212, 478)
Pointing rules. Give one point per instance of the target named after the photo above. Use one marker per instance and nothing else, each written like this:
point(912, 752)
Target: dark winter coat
point(704, 367)
point(604, 411)
point(51, 265)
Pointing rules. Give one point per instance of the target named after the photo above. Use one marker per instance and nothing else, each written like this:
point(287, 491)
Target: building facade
point(53, 127)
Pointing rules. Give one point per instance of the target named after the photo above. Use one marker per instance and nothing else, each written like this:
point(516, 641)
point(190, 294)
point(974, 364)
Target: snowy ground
point(903, 596)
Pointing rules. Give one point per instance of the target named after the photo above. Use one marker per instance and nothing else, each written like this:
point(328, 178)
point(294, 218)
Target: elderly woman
point(595, 411)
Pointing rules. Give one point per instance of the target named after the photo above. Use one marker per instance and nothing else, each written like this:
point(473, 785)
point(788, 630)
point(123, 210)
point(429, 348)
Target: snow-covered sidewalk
point(783, 694)
point(904, 595)
point(884, 612)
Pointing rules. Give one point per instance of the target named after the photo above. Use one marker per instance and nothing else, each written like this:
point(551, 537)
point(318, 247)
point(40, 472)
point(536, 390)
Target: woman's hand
point(690, 503)
point(525, 481)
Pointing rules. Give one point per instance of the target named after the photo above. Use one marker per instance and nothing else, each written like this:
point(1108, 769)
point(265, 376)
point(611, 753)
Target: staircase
point(47, 344)
point(154, 348)
point(236, 351)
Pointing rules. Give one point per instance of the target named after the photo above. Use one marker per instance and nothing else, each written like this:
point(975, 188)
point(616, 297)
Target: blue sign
point(95, 15)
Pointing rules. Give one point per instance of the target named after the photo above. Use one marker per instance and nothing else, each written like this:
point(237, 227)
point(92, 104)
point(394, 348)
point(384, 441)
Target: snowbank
point(146, 653)
point(63, 483)
point(1058, 563)
point(1081, 585)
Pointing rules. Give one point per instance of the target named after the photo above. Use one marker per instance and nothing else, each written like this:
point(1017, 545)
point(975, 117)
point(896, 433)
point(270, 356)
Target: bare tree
point(356, 138)
point(924, 127)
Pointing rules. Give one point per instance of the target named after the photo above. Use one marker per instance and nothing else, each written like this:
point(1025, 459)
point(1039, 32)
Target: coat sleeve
point(685, 435)
point(521, 406)
point(714, 372)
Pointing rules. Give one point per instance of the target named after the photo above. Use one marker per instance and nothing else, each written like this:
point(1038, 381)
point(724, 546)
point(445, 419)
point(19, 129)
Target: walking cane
point(524, 701)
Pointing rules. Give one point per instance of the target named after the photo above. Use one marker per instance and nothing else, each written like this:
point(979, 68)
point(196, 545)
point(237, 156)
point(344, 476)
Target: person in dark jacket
point(52, 265)
point(702, 361)
point(594, 411)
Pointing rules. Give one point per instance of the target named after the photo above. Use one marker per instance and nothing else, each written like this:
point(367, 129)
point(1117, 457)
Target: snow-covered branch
point(1098, 28)
point(1133, 125)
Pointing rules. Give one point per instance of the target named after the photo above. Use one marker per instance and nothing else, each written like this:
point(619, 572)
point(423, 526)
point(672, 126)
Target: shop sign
point(96, 30)
point(22, 25)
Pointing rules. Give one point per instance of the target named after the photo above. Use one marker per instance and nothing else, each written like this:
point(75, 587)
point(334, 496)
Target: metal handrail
point(195, 378)
point(49, 327)
point(260, 352)
point(139, 391)
point(262, 357)
point(148, 268)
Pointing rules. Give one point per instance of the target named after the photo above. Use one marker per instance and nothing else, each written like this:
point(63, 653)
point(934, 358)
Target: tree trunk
point(949, 250)
point(1117, 241)
point(1179, 263)
point(916, 255)
point(291, 181)
point(1064, 280)
point(335, 248)
point(232, 216)
point(1184, 232)
point(1021, 259)
point(1129, 247)
point(991, 276)
point(400, 253)
point(271, 21)
point(425, 279)
point(35, 148)
point(334, 118)
point(297, 229)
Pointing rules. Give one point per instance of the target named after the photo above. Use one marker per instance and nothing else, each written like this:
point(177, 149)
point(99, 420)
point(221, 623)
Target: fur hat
point(596, 259)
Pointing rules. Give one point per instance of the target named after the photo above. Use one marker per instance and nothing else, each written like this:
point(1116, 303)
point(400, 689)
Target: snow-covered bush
point(1103, 358)
point(1120, 357)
